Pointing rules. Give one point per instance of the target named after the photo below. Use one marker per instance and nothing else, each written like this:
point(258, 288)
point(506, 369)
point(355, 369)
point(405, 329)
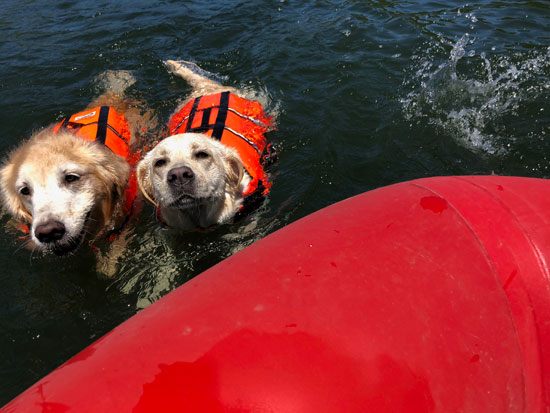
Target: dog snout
point(50, 231)
point(180, 176)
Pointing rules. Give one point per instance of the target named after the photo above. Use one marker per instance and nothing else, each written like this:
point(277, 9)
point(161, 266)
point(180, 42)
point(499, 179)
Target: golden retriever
point(196, 178)
point(65, 189)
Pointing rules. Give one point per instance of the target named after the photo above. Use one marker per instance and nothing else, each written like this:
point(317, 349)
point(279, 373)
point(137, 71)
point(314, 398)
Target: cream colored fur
point(219, 177)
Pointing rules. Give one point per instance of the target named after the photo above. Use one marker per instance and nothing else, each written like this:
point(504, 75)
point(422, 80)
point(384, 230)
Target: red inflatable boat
point(429, 295)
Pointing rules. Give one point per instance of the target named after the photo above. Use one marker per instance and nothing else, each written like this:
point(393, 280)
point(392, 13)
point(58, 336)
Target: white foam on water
point(469, 101)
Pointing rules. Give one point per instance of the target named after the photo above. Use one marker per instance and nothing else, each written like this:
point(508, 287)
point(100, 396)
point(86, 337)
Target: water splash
point(471, 96)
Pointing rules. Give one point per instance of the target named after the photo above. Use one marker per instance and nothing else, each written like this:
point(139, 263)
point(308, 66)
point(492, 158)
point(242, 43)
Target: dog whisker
point(27, 241)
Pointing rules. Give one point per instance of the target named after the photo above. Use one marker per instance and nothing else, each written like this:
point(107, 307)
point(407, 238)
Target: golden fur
point(86, 205)
point(67, 189)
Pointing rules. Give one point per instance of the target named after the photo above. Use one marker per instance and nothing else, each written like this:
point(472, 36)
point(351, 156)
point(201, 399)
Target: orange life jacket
point(102, 124)
point(235, 122)
point(105, 125)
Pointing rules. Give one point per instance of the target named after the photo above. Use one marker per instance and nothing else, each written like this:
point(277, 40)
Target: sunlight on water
point(172, 258)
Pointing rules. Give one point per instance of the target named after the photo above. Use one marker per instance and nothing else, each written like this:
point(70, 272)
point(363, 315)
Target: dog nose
point(180, 175)
point(50, 231)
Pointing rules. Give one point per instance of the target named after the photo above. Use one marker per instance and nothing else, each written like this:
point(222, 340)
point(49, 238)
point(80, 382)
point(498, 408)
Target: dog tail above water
point(202, 81)
point(189, 71)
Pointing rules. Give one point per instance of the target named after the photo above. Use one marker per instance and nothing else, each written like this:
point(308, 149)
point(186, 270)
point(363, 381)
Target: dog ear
point(123, 175)
point(144, 180)
point(234, 170)
point(10, 199)
point(113, 172)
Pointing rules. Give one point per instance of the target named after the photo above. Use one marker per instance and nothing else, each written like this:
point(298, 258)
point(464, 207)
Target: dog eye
point(202, 155)
point(159, 163)
point(70, 178)
point(25, 191)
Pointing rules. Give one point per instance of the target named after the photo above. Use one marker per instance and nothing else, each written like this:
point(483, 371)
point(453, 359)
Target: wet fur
point(220, 181)
point(45, 151)
point(220, 177)
point(87, 207)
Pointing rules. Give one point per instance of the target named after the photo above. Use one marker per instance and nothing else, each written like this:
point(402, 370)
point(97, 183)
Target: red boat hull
point(429, 295)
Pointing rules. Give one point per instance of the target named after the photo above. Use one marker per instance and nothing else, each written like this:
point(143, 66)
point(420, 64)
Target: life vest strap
point(93, 126)
point(75, 126)
point(250, 118)
point(192, 114)
point(218, 126)
point(102, 123)
point(179, 124)
point(217, 131)
point(236, 122)
point(205, 118)
point(227, 128)
point(96, 125)
point(251, 202)
point(66, 122)
point(118, 134)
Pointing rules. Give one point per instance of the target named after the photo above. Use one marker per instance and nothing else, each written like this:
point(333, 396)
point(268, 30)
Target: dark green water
point(366, 94)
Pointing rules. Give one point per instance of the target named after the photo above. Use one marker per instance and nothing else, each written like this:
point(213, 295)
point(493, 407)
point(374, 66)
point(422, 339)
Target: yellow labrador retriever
point(209, 170)
point(64, 185)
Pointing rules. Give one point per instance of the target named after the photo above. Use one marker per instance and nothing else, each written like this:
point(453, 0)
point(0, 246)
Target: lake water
point(365, 94)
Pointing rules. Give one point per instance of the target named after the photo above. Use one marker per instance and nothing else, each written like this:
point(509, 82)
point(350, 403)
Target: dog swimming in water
point(210, 169)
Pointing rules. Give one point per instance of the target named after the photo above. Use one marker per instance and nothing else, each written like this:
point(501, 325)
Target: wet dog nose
point(180, 176)
point(51, 231)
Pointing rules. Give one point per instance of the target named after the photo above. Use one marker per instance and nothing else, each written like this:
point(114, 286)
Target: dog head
point(189, 175)
point(65, 188)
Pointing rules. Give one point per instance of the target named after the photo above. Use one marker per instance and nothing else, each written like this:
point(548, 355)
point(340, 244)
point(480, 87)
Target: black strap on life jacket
point(65, 123)
point(254, 200)
point(222, 116)
point(192, 117)
point(218, 126)
point(251, 202)
point(206, 118)
point(102, 124)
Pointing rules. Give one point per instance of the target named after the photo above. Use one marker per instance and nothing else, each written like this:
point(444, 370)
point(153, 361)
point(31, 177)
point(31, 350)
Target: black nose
point(51, 231)
point(180, 176)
